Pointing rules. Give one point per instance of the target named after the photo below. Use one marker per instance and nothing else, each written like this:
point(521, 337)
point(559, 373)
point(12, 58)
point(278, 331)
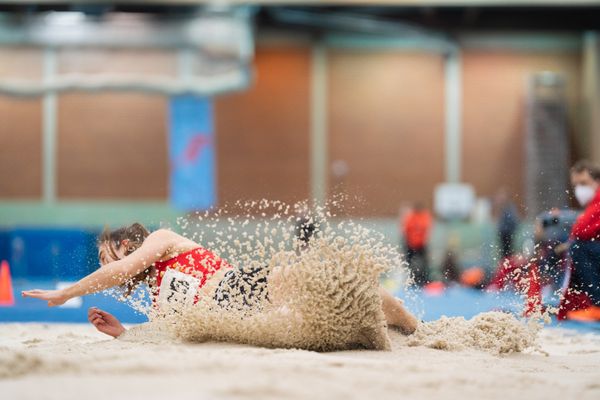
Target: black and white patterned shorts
point(242, 288)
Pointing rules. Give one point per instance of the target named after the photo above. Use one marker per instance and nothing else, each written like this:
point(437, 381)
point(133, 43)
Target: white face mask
point(584, 194)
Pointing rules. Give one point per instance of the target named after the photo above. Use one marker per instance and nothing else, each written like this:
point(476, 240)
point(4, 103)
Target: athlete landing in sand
point(132, 255)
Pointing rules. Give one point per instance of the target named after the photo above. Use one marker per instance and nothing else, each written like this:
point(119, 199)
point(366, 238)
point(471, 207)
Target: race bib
point(177, 290)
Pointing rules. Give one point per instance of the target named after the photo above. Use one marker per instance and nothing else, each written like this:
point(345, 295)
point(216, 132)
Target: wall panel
point(20, 128)
point(263, 133)
point(112, 146)
point(494, 111)
point(386, 124)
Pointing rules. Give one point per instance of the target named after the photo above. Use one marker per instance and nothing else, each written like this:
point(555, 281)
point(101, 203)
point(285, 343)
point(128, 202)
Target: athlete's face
point(108, 252)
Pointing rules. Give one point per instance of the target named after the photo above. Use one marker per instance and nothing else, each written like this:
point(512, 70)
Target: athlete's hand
point(105, 322)
point(53, 297)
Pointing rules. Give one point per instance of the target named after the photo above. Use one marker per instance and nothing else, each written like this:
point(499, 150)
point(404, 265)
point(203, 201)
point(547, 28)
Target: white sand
point(74, 362)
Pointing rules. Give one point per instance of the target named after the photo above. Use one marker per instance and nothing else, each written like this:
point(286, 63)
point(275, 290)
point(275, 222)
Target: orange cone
point(6, 290)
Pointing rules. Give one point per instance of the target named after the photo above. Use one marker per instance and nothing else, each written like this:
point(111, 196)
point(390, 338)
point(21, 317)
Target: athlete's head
point(116, 244)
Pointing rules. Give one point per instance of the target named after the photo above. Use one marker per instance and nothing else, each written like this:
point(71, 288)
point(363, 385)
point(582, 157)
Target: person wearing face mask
point(582, 296)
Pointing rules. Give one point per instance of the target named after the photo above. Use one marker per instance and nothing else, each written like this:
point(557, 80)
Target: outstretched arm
point(112, 274)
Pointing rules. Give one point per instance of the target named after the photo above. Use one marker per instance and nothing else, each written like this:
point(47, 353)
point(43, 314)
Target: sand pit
point(324, 297)
point(73, 362)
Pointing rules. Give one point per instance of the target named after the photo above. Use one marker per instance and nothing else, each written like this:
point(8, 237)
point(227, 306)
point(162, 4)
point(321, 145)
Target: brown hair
point(585, 165)
point(135, 234)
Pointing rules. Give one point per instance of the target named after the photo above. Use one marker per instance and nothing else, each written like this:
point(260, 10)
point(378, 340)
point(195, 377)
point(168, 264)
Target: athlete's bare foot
point(105, 322)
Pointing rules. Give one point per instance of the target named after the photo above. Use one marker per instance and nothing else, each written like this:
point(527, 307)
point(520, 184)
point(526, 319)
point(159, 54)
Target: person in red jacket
point(582, 297)
point(416, 226)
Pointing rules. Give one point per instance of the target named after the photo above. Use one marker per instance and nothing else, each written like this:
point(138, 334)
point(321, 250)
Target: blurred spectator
point(582, 297)
point(508, 221)
point(416, 227)
point(450, 268)
point(528, 274)
point(551, 229)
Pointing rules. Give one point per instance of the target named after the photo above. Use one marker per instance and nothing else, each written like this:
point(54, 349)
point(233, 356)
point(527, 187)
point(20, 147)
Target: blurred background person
point(450, 267)
point(582, 296)
point(551, 231)
point(508, 222)
point(416, 228)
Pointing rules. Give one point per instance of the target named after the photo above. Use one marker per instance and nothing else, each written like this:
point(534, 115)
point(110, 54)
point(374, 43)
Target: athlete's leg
point(395, 313)
point(393, 309)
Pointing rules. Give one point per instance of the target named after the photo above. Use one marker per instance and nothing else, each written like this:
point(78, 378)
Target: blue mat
point(34, 310)
point(464, 302)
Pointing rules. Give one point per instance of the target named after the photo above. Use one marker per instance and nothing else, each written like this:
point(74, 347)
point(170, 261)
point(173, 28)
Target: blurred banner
point(192, 153)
